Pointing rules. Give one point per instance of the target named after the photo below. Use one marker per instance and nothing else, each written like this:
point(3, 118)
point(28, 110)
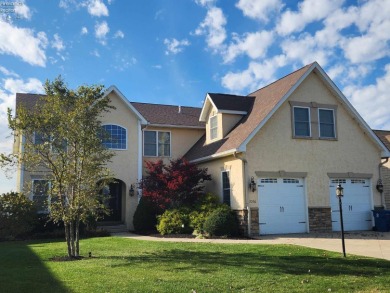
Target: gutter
point(244, 162)
point(380, 181)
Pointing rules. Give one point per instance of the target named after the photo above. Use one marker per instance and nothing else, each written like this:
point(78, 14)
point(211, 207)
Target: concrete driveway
point(366, 243)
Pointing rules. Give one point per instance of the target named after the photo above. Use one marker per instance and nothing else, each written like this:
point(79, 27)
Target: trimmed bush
point(174, 222)
point(145, 216)
point(207, 204)
point(17, 215)
point(221, 222)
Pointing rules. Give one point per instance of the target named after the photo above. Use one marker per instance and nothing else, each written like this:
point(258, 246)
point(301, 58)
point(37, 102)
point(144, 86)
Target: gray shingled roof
point(384, 136)
point(232, 102)
point(170, 115)
point(265, 100)
point(27, 101)
point(153, 113)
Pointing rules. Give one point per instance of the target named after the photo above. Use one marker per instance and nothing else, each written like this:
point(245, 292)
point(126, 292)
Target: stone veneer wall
point(386, 185)
point(320, 219)
point(242, 216)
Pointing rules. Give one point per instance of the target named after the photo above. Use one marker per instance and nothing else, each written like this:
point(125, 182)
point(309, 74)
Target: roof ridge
point(155, 104)
point(308, 65)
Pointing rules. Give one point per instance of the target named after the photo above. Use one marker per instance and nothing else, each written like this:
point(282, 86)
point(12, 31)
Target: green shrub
point(145, 216)
point(17, 215)
point(174, 222)
point(221, 222)
point(207, 204)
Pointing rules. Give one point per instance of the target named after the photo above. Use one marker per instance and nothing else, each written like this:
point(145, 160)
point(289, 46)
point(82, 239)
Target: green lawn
point(125, 265)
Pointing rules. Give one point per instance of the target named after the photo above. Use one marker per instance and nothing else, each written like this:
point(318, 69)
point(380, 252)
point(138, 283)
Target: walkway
point(367, 243)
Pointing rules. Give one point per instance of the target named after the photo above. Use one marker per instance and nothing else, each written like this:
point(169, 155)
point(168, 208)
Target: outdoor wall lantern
point(379, 186)
point(252, 184)
point(340, 194)
point(131, 190)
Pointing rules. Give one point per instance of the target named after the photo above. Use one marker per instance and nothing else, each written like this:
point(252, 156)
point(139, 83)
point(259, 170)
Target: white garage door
point(356, 203)
point(282, 207)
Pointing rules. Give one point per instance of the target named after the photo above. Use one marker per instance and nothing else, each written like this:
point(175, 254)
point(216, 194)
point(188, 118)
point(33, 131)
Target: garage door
point(356, 202)
point(282, 207)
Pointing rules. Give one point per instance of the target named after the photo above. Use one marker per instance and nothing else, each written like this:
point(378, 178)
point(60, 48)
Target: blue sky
point(174, 52)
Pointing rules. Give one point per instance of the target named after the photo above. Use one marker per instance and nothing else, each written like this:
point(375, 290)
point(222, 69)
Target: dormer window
point(213, 127)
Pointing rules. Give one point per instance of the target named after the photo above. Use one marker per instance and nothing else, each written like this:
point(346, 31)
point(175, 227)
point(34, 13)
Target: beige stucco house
point(384, 136)
point(275, 156)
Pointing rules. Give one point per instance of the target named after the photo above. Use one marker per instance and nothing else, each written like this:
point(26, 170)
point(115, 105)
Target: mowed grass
point(126, 265)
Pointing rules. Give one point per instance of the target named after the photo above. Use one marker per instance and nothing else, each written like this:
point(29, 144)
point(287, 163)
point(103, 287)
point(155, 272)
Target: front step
point(114, 229)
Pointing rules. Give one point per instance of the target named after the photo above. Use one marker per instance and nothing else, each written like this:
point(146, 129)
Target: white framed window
point(157, 143)
point(55, 145)
point(40, 194)
point(114, 137)
point(326, 123)
point(302, 122)
point(226, 187)
point(213, 127)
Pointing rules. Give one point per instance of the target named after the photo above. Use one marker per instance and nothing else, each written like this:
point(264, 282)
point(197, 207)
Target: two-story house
point(275, 156)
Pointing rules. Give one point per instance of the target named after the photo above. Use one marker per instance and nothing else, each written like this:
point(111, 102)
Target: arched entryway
point(114, 201)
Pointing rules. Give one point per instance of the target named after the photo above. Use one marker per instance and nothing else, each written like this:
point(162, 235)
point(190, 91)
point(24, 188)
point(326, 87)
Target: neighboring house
point(384, 136)
point(278, 154)
point(275, 156)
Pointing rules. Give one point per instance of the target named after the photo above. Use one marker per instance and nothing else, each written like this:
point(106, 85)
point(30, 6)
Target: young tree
point(178, 184)
point(62, 141)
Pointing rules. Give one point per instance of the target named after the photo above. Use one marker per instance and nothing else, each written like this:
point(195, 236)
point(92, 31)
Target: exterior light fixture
point(252, 184)
point(340, 194)
point(379, 186)
point(131, 190)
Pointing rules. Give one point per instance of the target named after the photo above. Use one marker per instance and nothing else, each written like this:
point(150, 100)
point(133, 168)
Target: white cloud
point(157, 66)
point(213, 26)
point(7, 72)
point(305, 49)
point(174, 46)
point(375, 113)
point(101, 30)
point(205, 2)
point(97, 8)
point(259, 9)
point(95, 53)
point(308, 11)
point(254, 45)
point(23, 43)
point(58, 43)
point(22, 10)
point(84, 30)
point(119, 34)
point(255, 76)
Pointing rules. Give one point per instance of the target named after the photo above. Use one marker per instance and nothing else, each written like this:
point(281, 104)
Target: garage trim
point(350, 175)
point(281, 173)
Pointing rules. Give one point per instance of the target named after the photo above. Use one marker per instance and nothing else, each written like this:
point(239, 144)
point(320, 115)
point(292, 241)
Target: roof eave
point(113, 88)
point(214, 156)
point(176, 126)
point(205, 108)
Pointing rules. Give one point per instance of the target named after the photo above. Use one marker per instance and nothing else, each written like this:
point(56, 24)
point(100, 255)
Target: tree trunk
point(77, 238)
point(67, 237)
point(72, 244)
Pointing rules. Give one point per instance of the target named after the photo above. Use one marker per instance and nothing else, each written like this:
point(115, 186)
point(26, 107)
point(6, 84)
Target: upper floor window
point(213, 127)
point(326, 123)
point(40, 190)
point(114, 137)
point(53, 144)
point(301, 121)
point(157, 143)
point(226, 187)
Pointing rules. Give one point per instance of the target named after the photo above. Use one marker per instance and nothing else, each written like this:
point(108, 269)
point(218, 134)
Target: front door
point(114, 202)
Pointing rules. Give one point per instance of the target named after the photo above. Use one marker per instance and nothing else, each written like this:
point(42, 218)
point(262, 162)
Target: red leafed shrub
point(178, 184)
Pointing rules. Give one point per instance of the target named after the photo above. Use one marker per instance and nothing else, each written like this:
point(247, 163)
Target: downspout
point(245, 191)
point(380, 181)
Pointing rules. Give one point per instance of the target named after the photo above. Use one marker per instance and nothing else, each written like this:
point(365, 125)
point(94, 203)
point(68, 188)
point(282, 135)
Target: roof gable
point(267, 101)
